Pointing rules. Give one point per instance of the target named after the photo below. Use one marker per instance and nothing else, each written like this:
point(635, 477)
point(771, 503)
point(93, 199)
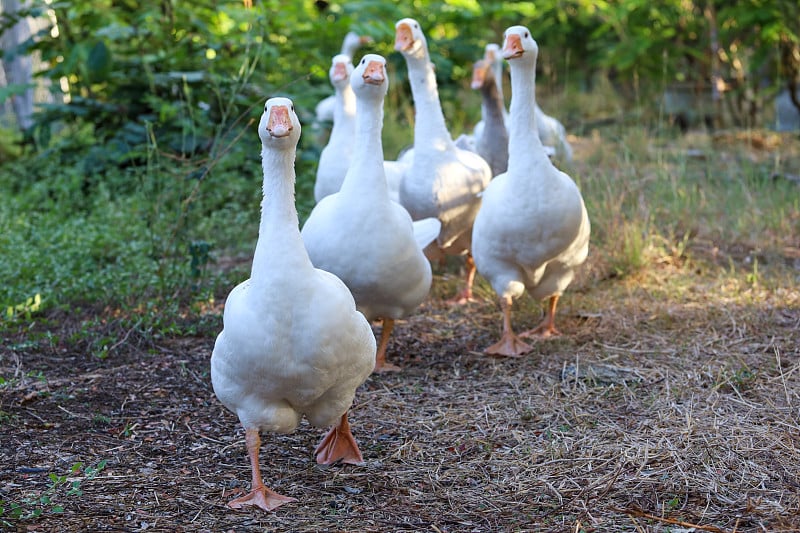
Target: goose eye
point(526, 35)
point(362, 61)
point(292, 107)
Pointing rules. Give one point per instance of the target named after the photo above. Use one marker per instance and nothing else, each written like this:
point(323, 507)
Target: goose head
point(341, 68)
point(369, 76)
point(409, 39)
point(481, 73)
point(518, 43)
point(279, 125)
point(353, 41)
point(492, 53)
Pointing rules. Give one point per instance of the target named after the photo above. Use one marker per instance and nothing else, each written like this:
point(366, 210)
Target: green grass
point(648, 198)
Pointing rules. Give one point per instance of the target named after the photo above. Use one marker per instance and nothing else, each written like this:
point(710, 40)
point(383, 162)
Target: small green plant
point(24, 309)
point(101, 419)
point(6, 416)
point(674, 503)
point(752, 276)
point(51, 499)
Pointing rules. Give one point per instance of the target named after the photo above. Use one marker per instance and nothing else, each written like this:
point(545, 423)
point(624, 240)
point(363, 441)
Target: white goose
point(361, 235)
point(324, 111)
point(293, 343)
point(336, 156)
point(443, 181)
point(533, 230)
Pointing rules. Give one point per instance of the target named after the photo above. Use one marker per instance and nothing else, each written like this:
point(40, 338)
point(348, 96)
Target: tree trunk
point(18, 68)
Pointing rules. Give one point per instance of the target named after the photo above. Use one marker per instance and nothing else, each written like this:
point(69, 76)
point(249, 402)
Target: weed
point(101, 419)
point(24, 309)
point(52, 500)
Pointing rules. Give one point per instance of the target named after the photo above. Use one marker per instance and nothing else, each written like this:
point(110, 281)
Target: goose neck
point(429, 123)
point(492, 102)
point(278, 232)
point(344, 111)
point(367, 163)
point(523, 134)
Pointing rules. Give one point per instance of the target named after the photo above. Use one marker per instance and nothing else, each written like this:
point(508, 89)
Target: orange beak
point(512, 48)
point(478, 75)
point(339, 72)
point(279, 124)
point(403, 38)
point(365, 39)
point(373, 74)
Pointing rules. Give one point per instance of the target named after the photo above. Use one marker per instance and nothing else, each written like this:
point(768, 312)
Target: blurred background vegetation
point(136, 183)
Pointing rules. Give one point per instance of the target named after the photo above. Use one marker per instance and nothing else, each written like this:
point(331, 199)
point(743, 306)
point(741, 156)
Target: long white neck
point(367, 164)
point(430, 130)
point(344, 112)
point(278, 233)
point(523, 141)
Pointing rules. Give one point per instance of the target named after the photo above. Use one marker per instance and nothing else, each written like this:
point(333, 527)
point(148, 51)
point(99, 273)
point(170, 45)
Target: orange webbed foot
point(339, 445)
point(460, 299)
point(543, 331)
point(509, 346)
point(386, 367)
point(261, 497)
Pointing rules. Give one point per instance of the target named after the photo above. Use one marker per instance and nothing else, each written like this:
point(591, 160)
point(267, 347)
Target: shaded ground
point(684, 409)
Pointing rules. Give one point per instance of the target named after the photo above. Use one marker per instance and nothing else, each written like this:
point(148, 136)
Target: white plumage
point(532, 231)
point(293, 343)
point(359, 233)
point(443, 181)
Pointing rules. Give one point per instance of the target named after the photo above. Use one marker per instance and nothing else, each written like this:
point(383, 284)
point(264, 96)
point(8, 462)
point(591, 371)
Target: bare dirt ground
point(651, 413)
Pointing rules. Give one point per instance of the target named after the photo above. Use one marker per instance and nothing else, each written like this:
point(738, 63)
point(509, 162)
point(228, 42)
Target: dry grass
point(670, 404)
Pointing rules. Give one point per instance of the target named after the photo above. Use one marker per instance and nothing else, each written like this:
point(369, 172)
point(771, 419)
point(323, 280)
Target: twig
point(125, 337)
point(642, 514)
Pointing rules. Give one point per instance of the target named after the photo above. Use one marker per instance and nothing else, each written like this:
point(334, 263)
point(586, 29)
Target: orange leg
point(548, 326)
point(465, 296)
point(509, 344)
point(380, 358)
point(259, 495)
point(339, 445)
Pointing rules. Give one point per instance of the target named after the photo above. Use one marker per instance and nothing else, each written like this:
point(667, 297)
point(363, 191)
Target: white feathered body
point(293, 343)
point(532, 232)
point(280, 358)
